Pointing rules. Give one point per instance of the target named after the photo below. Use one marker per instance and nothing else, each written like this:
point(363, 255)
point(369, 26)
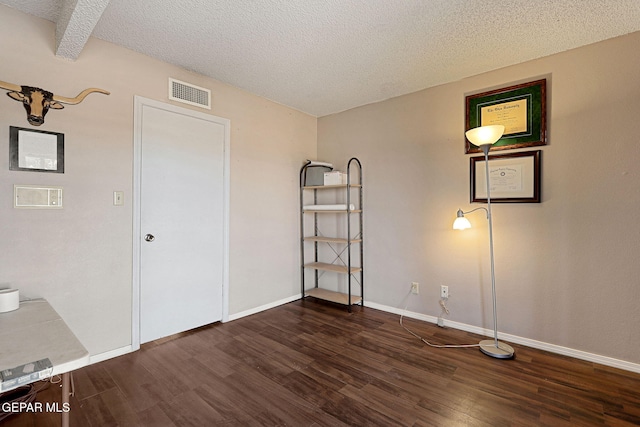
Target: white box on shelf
point(335, 178)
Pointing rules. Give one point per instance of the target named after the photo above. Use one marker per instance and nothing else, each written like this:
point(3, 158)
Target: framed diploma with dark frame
point(514, 178)
point(35, 150)
point(522, 109)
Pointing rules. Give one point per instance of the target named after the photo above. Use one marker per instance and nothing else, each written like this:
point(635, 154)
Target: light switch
point(118, 198)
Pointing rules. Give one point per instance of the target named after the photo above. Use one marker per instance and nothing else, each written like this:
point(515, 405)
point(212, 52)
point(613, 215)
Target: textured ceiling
point(326, 56)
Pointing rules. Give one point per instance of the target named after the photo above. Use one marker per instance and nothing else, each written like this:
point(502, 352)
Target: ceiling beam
point(75, 24)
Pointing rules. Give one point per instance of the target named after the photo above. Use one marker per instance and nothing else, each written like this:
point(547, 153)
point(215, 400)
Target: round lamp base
point(502, 351)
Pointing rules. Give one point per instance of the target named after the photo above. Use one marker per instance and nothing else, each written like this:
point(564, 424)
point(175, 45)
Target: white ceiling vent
point(189, 94)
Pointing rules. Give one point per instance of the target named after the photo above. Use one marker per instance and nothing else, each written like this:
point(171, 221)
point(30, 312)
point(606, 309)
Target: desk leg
point(65, 398)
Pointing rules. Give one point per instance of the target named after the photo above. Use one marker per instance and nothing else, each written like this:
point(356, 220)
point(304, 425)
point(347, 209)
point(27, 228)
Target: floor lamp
point(484, 137)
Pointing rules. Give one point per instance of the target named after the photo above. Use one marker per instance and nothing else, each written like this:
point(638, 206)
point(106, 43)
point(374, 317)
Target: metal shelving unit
point(341, 246)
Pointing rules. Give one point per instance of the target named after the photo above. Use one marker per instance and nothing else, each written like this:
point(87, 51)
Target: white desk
point(34, 332)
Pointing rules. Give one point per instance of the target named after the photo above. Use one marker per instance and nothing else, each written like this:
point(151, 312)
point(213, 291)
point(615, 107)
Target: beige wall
point(567, 269)
point(80, 258)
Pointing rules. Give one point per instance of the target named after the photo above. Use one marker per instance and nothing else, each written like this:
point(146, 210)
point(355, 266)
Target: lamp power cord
point(444, 310)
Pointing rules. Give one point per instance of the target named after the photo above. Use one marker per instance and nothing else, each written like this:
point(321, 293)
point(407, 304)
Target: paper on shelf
point(316, 163)
point(329, 207)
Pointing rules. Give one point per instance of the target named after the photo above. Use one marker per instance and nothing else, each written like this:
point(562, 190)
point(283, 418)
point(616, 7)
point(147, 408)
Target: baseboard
point(255, 310)
point(109, 354)
point(565, 351)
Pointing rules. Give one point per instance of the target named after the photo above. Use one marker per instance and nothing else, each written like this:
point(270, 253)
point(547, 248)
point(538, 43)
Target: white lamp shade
point(461, 223)
point(485, 135)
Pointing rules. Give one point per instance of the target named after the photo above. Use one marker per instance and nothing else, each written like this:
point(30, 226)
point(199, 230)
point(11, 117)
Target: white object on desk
point(9, 300)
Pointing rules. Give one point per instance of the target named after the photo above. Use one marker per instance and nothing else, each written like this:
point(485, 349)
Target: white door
point(182, 219)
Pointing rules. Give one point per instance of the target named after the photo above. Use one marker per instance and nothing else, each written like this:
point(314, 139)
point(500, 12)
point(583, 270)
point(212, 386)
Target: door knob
point(149, 238)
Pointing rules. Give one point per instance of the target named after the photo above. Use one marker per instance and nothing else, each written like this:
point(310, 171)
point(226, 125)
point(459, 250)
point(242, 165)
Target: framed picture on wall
point(522, 109)
point(35, 150)
point(514, 178)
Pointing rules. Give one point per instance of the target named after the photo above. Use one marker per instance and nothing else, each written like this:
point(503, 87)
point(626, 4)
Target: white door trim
point(139, 102)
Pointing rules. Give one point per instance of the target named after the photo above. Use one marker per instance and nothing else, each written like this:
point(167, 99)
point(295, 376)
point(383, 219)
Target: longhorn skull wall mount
point(38, 101)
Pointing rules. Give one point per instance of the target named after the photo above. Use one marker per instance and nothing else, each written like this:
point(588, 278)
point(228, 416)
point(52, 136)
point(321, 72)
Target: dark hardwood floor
point(310, 363)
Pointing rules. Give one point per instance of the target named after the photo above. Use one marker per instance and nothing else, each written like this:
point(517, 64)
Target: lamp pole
point(493, 348)
point(485, 150)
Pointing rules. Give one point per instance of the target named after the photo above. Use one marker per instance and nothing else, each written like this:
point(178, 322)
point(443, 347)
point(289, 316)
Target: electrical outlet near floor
point(415, 288)
point(444, 291)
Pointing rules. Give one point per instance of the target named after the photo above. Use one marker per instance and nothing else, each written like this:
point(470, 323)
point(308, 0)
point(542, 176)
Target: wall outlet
point(444, 291)
point(415, 288)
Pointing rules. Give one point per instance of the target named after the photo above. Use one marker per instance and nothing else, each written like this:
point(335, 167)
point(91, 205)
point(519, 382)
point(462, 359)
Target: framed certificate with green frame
point(522, 109)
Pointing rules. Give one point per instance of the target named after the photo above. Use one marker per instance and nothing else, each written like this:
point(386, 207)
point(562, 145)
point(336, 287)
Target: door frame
point(139, 103)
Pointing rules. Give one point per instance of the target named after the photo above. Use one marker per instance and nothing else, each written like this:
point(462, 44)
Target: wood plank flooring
point(310, 363)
